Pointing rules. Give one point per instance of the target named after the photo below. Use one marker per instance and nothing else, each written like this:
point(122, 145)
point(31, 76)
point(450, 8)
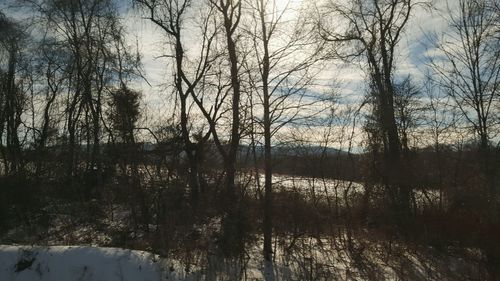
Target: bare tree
point(51, 68)
point(408, 110)
point(373, 30)
point(283, 61)
point(12, 99)
point(124, 113)
point(231, 13)
point(440, 122)
point(470, 70)
point(170, 17)
point(85, 34)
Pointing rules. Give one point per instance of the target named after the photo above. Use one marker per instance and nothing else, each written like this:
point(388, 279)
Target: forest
point(250, 139)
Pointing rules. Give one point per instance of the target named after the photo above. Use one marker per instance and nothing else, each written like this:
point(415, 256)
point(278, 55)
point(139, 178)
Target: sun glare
point(289, 8)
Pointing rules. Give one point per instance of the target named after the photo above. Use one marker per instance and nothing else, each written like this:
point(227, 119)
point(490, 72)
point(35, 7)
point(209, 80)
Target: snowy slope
point(24, 263)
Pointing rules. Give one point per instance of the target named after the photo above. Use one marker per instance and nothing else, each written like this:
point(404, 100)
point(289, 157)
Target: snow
point(309, 259)
point(26, 263)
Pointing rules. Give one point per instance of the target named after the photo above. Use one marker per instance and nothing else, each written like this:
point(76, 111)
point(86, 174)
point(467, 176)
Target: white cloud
point(412, 53)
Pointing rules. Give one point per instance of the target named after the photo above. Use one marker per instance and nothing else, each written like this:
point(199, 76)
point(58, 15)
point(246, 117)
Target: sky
point(152, 45)
point(411, 52)
point(349, 78)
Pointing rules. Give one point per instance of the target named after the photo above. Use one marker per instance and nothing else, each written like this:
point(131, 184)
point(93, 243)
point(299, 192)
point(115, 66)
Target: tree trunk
point(268, 193)
point(235, 82)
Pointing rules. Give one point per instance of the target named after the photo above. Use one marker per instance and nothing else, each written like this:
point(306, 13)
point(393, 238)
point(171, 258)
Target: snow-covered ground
point(68, 263)
point(309, 259)
point(332, 189)
point(81, 263)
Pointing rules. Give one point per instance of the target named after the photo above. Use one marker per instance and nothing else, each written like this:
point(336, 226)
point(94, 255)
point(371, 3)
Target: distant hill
point(284, 151)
